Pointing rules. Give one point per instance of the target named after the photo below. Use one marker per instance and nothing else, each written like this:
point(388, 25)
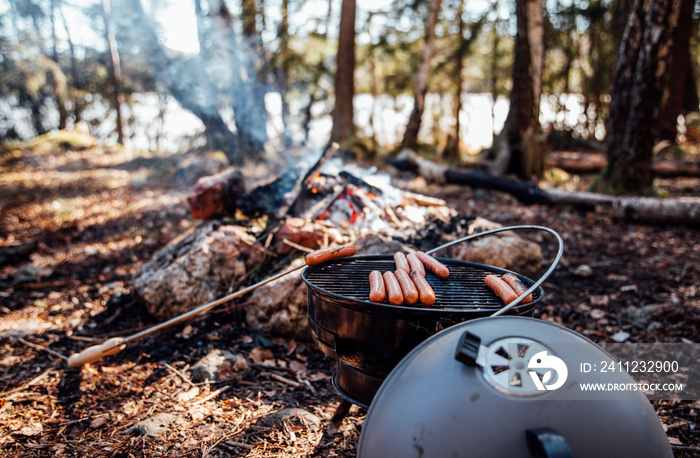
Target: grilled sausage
point(401, 263)
point(317, 257)
point(501, 288)
point(433, 265)
point(377, 292)
point(393, 290)
point(410, 293)
point(518, 286)
point(415, 265)
point(425, 291)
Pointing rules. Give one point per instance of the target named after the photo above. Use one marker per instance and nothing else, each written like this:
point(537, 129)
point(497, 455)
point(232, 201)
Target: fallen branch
point(684, 210)
point(180, 374)
point(594, 163)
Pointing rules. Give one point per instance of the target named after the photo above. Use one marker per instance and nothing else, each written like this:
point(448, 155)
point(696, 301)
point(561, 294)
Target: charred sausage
point(415, 265)
point(433, 265)
point(410, 293)
point(377, 292)
point(501, 288)
point(393, 290)
point(518, 286)
point(425, 291)
point(317, 257)
point(401, 263)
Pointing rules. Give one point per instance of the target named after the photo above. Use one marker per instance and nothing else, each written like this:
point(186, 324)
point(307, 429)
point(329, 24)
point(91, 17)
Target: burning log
point(309, 234)
point(214, 195)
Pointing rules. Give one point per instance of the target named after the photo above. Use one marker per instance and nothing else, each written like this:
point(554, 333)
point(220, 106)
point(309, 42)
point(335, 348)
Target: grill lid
point(348, 279)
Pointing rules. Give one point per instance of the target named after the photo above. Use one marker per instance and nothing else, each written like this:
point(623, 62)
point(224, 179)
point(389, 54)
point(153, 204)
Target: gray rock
point(584, 271)
point(209, 368)
point(153, 426)
point(376, 244)
point(295, 417)
point(279, 307)
point(195, 270)
point(641, 315)
point(507, 252)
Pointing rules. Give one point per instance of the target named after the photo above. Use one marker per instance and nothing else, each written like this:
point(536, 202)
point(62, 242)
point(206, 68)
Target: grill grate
point(464, 288)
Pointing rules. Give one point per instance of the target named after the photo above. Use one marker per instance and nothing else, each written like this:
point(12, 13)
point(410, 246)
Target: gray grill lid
point(447, 398)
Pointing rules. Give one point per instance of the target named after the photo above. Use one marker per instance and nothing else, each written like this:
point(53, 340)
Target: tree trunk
point(451, 152)
point(114, 70)
point(410, 138)
point(494, 73)
point(251, 67)
point(59, 92)
point(641, 69)
point(672, 103)
point(343, 113)
point(283, 65)
point(521, 149)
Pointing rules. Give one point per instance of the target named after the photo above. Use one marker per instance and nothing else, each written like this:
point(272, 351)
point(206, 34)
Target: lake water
point(156, 121)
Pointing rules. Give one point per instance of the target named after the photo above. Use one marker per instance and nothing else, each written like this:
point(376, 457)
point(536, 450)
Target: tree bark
point(410, 138)
point(343, 112)
point(115, 70)
point(451, 152)
point(680, 67)
point(251, 68)
point(643, 58)
point(521, 149)
point(59, 92)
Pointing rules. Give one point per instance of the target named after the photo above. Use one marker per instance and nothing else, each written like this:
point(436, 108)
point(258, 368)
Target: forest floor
point(89, 216)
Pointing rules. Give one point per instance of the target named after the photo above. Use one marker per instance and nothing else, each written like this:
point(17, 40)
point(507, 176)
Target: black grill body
point(369, 339)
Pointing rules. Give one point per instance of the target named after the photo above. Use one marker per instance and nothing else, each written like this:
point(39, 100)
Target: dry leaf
point(674, 441)
point(291, 346)
point(31, 430)
point(197, 413)
point(130, 408)
point(99, 421)
point(186, 333)
point(297, 367)
point(258, 355)
point(318, 376)
point(188, 395)
point(225, 372)
point(240, 364)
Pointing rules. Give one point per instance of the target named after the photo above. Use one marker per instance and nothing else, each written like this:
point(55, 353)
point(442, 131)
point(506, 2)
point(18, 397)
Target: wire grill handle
point(541, 280)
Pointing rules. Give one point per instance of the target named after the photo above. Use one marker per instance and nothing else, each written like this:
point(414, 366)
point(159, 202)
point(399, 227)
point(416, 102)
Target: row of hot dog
point(407, 284)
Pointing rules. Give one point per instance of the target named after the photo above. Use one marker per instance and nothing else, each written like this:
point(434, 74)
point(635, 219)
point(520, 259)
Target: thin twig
point(259, 248)
point(297, 246)
point(82, 338)
point(279, 378)
point(239, 445)
point(212, 395)
point(182, 376)
point(41, 347)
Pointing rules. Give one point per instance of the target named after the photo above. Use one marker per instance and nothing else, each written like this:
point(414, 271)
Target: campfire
point(247, 234)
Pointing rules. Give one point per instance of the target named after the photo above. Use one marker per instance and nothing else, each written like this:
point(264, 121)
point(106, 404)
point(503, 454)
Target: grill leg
point(341, 411)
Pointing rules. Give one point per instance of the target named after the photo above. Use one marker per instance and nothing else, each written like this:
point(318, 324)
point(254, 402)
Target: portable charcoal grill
point(368, 339)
